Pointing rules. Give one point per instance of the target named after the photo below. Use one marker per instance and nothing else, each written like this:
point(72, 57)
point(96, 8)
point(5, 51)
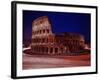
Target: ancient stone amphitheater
point(44, 41)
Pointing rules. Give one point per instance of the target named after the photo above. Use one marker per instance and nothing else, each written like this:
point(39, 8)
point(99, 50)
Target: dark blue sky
point(60, 21)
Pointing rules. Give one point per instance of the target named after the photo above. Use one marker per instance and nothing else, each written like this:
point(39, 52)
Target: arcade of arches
point(44, 41)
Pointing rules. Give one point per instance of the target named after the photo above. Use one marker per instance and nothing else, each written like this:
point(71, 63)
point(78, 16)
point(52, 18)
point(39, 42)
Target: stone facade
point(44, 41)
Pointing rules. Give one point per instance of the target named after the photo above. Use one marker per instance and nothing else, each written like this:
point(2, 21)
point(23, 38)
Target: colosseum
point(44, 41)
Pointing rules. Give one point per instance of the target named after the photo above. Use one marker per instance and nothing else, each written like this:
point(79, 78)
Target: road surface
point(44, 61)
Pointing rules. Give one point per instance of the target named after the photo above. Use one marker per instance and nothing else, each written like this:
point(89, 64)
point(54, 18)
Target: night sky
point(61, 22)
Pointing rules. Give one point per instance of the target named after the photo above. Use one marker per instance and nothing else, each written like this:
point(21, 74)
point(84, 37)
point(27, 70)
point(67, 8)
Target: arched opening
point(46, 49)
point(47, 30)
point(43, 49)
point(56, 50)
point(43, 30)
point(51, 50)
point(61, 50)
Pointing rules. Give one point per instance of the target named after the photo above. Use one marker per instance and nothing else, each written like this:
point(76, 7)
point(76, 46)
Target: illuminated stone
point(44, 41)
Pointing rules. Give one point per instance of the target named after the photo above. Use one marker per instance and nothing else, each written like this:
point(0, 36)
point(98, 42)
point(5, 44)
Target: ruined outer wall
point(46, 42)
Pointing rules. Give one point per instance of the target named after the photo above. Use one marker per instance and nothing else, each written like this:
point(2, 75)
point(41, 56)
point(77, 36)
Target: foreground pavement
point(44, 61)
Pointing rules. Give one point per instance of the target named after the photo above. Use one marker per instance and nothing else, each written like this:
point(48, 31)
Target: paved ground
point(44, 61)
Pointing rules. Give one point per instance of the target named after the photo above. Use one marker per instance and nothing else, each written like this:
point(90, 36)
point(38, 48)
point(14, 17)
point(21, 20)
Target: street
point(45, 61)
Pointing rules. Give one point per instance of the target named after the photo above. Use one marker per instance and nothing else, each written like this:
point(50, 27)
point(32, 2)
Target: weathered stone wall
point(46, 42)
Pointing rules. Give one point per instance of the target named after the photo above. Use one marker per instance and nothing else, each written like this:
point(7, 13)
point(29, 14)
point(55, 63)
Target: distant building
point(44, 41)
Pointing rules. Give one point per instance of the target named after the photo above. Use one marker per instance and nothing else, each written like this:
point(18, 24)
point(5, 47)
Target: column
point(48, 50)
point(53, 52)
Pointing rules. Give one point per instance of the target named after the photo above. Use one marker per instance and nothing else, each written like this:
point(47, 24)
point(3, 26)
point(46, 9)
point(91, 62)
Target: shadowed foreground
point(45, 61)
